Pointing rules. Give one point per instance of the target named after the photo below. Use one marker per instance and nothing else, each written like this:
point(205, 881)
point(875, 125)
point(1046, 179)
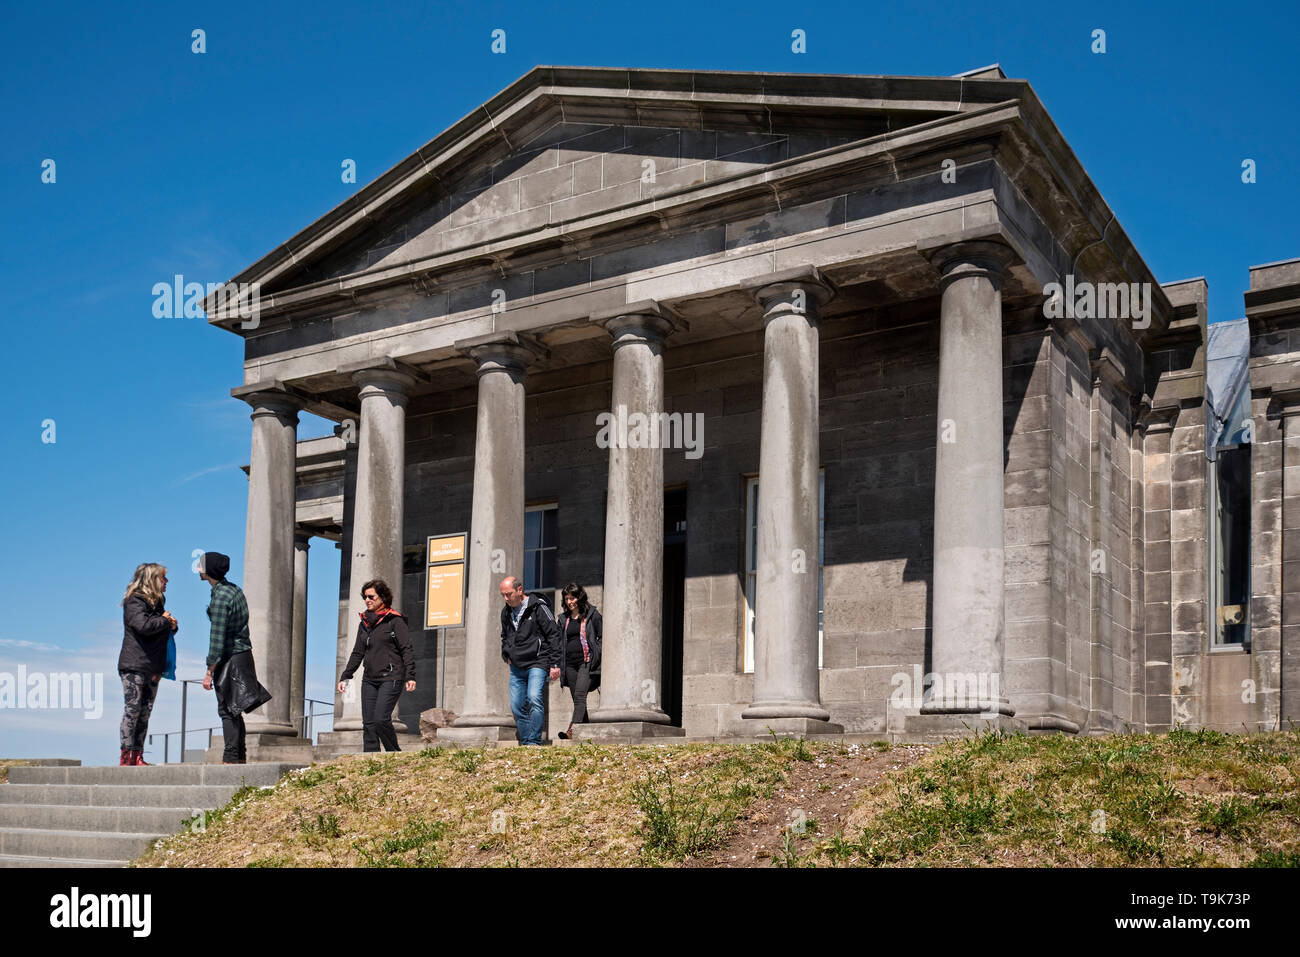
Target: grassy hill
point(1186, 799)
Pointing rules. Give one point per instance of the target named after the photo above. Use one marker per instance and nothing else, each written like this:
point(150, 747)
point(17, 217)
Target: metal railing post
point(185, 691)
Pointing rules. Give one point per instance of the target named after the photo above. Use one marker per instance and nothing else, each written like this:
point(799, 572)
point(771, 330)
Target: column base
point(259, 747)
point(478, 736)
point(252, 726)
point(622, 715)
point(779, 710)
point(760, 727)
point(981, 708)
point(1049, 721)
point(347, 724)
point(610, 732)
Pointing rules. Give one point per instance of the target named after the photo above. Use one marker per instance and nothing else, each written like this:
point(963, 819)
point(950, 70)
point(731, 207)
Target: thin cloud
point(216, 468)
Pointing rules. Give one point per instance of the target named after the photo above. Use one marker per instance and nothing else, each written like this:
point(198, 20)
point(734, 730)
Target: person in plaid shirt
point(230, 653)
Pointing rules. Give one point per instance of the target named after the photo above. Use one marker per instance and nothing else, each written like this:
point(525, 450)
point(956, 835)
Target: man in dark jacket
point(530, 645)
point(230, 656)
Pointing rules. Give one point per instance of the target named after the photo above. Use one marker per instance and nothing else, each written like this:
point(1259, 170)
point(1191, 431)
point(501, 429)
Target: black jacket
point(144, 646)
point(536, 643)
point(386, 649)
point(236, 684)
point(594, 639)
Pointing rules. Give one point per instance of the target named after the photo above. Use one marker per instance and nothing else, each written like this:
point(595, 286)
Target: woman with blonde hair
point(144, 655)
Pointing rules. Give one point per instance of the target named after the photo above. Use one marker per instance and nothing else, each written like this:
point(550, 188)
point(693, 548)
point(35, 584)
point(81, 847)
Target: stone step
point(20, 860)
point(195, 756)
point(119, 795)
point(265, 748)
point(120, 820)
point(193, 774)
point(82, 845)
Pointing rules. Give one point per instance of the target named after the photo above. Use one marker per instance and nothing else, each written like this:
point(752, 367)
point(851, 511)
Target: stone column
point(378, 509)
point(967, 622)
point(268, 551)
point(632, 662)
point(298, 656)
point(496, 536)
point(786, 678)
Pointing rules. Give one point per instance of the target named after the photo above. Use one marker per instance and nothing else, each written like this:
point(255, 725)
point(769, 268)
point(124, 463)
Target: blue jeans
point(526, 689)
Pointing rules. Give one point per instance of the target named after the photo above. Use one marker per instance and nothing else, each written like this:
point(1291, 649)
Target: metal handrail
point(308, 714)
point(166, 736)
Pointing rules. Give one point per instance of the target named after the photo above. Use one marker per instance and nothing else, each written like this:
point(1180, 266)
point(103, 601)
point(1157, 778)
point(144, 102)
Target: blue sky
point(172, 162)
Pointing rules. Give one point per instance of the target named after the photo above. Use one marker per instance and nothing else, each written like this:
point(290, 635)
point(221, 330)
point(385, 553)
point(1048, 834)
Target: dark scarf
point(372, 618)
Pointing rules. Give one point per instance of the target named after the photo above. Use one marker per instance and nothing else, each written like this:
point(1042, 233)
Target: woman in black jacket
point(385, 644)
point(580, 632)
point(143, 657)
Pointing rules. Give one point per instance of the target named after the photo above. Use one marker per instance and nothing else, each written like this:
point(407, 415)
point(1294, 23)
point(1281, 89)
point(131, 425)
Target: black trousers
point(232, 725)
point(378, 698)
point(579, 682)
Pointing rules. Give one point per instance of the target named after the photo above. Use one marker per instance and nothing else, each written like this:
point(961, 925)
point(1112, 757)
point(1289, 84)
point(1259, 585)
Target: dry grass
point(528, 807)
point(1187, 799)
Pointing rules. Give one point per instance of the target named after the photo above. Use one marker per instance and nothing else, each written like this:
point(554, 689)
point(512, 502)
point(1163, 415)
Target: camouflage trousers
point(139, 693)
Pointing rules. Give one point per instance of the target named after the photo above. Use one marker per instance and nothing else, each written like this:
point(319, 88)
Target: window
point(540, 524)
point(1230, 546)
point(751, 564)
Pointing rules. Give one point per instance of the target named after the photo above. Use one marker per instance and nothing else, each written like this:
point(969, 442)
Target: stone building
point(978, 419)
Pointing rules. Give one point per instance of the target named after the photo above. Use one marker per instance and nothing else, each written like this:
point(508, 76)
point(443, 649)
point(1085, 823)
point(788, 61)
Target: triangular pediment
point(561, 144)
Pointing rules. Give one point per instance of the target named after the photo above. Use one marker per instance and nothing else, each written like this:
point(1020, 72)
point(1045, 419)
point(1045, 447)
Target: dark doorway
point(674, 610)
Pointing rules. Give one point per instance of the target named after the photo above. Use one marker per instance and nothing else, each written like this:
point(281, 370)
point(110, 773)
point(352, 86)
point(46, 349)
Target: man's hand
point(410, 686)
point(555, 673)
point(343, 687)
point(207, 681)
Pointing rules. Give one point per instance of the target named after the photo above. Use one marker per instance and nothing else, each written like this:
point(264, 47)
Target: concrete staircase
point(104, 816)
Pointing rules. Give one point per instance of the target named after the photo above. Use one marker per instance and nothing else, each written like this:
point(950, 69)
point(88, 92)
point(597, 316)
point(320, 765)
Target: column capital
point(645, 321)
point(791, 291)
point(960, 258)
point(387, 375)
point(270, 397)
point(502, 351)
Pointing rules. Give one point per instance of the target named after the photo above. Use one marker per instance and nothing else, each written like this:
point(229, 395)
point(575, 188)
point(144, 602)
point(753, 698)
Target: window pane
point(550, 522)
point(547, 559)
point(532, 529)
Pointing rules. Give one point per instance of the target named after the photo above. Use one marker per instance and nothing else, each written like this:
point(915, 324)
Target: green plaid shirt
point(229, 614)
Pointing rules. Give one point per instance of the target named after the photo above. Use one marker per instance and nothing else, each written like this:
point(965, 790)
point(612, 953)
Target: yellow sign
point(444, 600)
point(448, 548)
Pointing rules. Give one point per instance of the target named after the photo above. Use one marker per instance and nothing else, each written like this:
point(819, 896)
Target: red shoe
point(128, 758)
point(139, 761)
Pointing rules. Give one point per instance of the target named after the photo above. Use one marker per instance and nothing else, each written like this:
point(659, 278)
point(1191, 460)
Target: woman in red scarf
point(384, 642)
